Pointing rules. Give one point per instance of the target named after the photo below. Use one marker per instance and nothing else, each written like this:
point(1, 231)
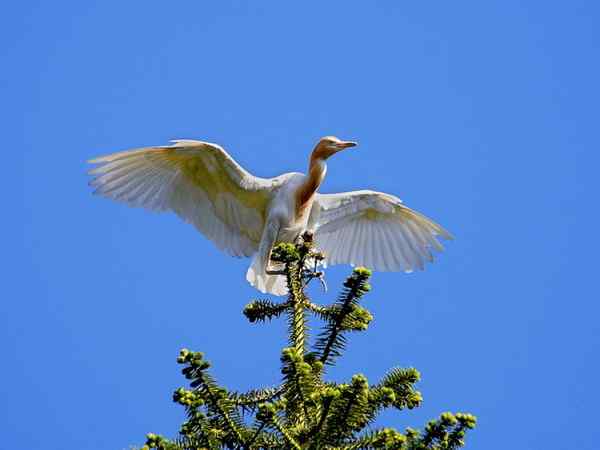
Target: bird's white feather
point(197, 180)
point(373, 229)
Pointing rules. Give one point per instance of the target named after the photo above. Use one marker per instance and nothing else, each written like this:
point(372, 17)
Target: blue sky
point(482, 115)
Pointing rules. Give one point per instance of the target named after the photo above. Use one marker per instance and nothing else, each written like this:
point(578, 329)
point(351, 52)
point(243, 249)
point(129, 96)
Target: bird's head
point(330, 145)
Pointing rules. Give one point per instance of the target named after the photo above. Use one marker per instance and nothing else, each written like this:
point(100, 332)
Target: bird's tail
point(268, 284)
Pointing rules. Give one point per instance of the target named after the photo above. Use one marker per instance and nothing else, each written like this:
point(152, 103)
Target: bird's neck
point(316, 173)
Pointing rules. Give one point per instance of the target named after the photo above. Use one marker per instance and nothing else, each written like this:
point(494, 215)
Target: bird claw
point(321, 278)
point(312, 274)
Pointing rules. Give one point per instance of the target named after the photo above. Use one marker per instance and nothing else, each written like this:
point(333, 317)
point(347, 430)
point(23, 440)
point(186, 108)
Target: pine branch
point(267, 441)
point(263, 310)
point(198, 432)
point(299, 383)
point(331, 341)
point(397, 390)
point(221, 409)
point(298, 327)
point(261, 438)
point(326, 397)
point(267, 413)
point(197, 442)
point(386, 438)
point(158, 442)
point(357, 319)
point(297, 323)
point(250, 400)
point(293, 256)
point(446, 433)
point(224, 410)
point(349, 412)
point(257, 432)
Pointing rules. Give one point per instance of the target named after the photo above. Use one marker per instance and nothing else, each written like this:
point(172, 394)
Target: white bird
point(246, 215)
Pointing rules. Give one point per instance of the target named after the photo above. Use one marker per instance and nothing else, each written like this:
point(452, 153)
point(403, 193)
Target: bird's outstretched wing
point(197, 180)
point(373, 229)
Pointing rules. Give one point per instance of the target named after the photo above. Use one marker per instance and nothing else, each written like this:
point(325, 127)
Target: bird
point(246, 216)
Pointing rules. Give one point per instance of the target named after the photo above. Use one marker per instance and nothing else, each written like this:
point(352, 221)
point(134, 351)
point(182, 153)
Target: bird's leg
point(266, 246)
point(322, 280)
point(315, 273)
point(269, 271)
point(311, 275)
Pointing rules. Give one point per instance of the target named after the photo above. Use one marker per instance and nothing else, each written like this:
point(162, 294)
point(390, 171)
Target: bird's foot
point(310, 275)
point(321, 278)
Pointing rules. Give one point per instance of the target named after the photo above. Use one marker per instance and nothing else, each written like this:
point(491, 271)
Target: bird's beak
point(346, 144)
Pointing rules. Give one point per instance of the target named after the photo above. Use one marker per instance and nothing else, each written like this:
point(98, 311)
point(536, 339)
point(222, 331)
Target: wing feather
point(360, 259)
point(374, 248)
point(373, 244)
point(375, 230)
point(407, 252)
point(198, 181)
point(347, 236)
point(384, 247)
point(395, 250)
point(412, 244)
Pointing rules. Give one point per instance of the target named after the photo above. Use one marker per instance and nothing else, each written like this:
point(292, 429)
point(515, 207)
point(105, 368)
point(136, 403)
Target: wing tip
point(446, 234)
point(96, 160)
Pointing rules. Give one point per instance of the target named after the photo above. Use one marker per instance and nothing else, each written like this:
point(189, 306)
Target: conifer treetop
point(305, 411)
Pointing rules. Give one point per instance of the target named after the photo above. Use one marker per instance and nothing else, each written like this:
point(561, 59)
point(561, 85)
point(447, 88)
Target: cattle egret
point(246, 215)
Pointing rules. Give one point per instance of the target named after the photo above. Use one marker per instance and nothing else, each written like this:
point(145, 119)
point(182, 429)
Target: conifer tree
point(306, 411)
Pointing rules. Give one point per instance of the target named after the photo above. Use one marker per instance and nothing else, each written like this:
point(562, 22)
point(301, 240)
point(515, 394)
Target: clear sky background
point(482, 115)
